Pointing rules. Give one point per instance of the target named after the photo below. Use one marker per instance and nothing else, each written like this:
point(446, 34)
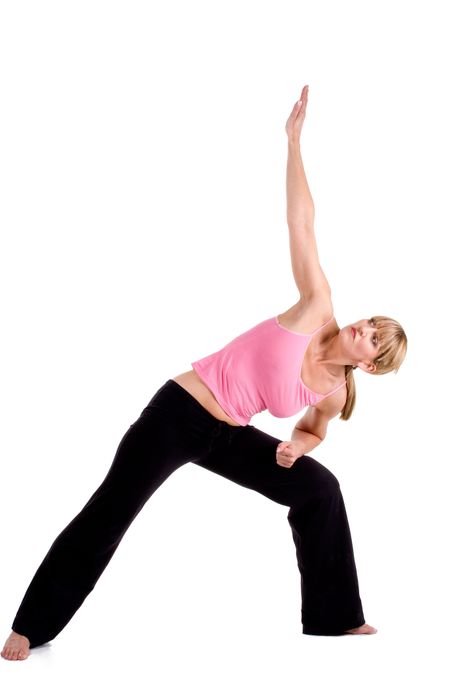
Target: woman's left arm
point(311, 429)
point(308, 274)
point(300, 205)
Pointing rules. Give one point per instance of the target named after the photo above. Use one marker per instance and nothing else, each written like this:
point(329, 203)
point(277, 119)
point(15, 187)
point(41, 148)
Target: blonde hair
point(393, 344)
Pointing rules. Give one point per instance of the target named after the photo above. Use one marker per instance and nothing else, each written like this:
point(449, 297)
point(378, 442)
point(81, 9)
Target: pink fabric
point(260, 370)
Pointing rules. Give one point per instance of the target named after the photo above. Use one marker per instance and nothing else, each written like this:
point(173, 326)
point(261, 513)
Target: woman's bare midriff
point(198, 389)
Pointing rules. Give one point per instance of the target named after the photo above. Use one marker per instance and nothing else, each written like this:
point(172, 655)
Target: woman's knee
point(321, 480)
point(318, 487)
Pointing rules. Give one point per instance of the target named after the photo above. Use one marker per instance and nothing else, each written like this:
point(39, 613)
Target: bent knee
point(321, 479)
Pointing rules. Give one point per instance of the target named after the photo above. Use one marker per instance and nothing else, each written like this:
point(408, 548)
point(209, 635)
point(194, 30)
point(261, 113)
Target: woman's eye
point(374, 339)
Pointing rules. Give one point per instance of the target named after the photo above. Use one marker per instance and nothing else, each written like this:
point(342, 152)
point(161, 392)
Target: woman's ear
point(367, 366)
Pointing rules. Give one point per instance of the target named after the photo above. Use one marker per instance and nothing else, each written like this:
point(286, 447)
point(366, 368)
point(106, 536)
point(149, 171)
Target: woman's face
point(361, 343)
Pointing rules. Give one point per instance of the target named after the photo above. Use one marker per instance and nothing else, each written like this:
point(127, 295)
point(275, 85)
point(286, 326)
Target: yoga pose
point(295, 360)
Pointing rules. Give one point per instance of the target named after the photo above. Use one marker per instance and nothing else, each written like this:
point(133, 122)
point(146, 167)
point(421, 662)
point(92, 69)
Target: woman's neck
point(329, 353)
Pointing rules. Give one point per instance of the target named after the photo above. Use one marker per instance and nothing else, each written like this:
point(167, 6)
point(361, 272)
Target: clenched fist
point(288, 452)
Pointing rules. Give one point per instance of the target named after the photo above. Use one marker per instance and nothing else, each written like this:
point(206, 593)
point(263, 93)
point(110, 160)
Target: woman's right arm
point(308, 274)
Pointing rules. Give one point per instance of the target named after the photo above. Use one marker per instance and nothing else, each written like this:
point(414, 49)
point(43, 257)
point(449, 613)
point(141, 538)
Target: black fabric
point(174, 429)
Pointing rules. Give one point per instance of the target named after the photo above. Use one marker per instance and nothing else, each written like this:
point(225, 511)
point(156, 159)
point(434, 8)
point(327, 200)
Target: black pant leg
point(159, 442)
point(317, 517)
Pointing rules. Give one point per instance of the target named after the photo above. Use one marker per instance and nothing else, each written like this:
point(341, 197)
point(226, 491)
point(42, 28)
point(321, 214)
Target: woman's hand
point(297, 117)
point(288, 452)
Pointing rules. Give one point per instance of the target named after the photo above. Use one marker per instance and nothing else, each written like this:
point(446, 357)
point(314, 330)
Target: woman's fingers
point(296, 118)
point(294, 112)
point(303, 100)
point(282, 446)
point(304, 92)
point(301, 103)
point(285, 455)
point(285, 463)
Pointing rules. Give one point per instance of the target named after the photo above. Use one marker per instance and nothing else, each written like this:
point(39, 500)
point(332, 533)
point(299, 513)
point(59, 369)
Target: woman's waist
point(198, 389)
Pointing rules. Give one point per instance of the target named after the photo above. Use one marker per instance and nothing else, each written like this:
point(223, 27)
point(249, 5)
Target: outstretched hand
point(295, 120)
point(288, 452)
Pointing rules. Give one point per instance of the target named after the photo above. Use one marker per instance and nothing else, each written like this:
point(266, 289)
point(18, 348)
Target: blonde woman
point(297, 359)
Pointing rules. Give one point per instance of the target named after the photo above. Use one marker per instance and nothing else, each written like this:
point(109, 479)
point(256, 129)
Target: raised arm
point(308, 274)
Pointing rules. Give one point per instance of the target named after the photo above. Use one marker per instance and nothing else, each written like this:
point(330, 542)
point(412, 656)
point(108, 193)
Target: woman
point(203, 415)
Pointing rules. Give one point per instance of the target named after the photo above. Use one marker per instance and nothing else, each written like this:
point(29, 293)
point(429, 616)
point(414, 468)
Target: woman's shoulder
point(306, 315)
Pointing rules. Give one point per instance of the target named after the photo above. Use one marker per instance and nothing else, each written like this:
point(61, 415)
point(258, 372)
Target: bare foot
point(365, 629)
point(17, 647)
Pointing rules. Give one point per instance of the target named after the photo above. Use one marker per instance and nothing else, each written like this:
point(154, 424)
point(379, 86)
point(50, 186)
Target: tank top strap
point(323, 325)
point(333, 391)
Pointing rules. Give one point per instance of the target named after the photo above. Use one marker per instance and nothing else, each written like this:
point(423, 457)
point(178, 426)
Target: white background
point(143, 158)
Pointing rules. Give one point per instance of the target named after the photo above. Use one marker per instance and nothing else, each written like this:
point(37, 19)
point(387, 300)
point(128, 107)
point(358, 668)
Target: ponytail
point(351, 394)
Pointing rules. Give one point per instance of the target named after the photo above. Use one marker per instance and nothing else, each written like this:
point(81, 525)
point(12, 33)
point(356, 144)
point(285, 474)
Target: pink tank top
point(260, 370)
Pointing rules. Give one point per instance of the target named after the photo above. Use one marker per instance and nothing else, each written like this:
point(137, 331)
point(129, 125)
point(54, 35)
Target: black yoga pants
point(174, 429)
